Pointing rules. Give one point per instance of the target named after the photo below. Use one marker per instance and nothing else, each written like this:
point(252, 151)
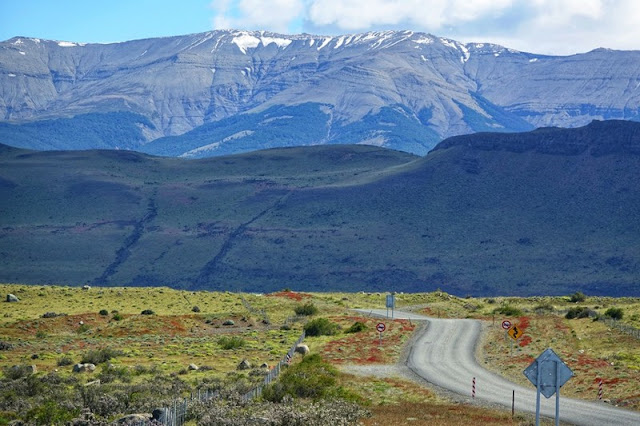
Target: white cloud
point(573, 26)
point(539, 26)
point(430, 15)
point(274, 15)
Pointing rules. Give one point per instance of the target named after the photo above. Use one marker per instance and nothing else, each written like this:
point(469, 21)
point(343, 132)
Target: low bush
point(307, 309)
point(64, 361)
point(99, 356)
point(578, 312)
point(147, 312)
point(614, 313)
point(104, 312)
point(311, 378)
point(116, 317)
point(356, 327)
point(232, 342)
point(508, 310)
point(321, 327)
point(545, 307)
point(577, 297)
point(51, 413)
point(16, 372)
point(216, 412)
point(111, 373)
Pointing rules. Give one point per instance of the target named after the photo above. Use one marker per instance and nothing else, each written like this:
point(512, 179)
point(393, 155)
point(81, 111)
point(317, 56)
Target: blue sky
point(539, 26)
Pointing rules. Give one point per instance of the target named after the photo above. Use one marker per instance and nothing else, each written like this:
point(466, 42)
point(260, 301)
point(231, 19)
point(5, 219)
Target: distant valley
point(226, 92)
point(550, 211)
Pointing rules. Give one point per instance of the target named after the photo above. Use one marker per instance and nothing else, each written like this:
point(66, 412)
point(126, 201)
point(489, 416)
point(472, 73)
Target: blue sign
point(553, 373)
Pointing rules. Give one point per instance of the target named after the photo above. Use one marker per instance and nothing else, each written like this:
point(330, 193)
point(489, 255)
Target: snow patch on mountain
point(70, 44)
point(245, 41)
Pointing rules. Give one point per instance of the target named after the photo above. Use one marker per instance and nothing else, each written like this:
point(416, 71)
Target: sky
point(557, 27)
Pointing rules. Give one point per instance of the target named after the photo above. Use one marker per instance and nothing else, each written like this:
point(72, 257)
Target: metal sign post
point(514, 332)
point(548, 373)
point(380, 327)
point(391, 303)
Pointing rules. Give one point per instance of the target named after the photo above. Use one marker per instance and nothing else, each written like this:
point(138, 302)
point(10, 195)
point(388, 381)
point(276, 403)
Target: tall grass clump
point(321, 327)
point(232, 342)
point(307, 309)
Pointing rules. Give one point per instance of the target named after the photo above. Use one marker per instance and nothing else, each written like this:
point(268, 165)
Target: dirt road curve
point(445, 356)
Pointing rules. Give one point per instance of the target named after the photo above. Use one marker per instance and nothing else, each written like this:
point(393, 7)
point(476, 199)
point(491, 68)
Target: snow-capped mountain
point(230, 91)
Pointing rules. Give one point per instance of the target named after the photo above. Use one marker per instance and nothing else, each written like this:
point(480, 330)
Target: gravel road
point(444, 354)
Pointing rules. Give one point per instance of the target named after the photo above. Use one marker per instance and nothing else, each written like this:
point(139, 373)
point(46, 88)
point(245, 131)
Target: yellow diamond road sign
point(515, 332)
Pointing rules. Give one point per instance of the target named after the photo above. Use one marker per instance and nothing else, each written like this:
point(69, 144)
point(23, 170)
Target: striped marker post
point(473, 388)
point(600, 390)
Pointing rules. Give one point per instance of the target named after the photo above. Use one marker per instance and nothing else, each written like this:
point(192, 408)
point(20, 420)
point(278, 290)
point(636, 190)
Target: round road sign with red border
point(506, 324)
point(381, 327)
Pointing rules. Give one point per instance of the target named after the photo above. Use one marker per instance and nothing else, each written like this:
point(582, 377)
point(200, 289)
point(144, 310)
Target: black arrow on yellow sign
point(515, 332)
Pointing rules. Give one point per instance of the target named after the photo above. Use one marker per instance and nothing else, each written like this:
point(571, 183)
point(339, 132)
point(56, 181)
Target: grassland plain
point(174, 336)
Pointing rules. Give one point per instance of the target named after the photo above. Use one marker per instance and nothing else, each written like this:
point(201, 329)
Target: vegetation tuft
point(577, 297)
point(100, 356)
point(321, 327)
point(356, 327)
point(312, 378)
point(614, 313)
point(508, 310)
point(579, 312)
point(231, 342)
point(307, 309)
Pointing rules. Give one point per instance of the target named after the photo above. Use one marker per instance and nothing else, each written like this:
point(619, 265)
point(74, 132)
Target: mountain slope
point(551, 211)
point(397, 89)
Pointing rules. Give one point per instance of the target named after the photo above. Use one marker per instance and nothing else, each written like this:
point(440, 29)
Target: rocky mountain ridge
point(399, 89)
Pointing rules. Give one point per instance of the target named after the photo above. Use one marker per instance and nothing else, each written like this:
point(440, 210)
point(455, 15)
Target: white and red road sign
point(381, 327)
point(506, 324)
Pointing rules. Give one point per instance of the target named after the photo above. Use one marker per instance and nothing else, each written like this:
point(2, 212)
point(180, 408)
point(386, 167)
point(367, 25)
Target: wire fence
point(257, 312)
point(274, 372)
point(176, 414)
point(625, 328)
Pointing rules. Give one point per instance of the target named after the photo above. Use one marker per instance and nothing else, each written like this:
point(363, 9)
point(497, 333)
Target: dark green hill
point(494, 214)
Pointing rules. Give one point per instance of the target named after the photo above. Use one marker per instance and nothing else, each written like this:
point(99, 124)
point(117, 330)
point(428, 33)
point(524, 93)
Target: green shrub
point(508, 310)
point(64, 361)
point(110, 373)
point(116, 317)
point(577, 297)
point(307, 309)
point(16, 372)
point(147, 312)
point(104, 312)
point(311, 378)
point(545, 307)
point(51, 413)
point(99, 356)
point(578, 312)
point(232, 342)
point(84, 328)
point(614, 313)
point(321, 327)
point(356, 327)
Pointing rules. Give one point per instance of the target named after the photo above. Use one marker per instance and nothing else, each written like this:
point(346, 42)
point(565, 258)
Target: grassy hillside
point(148, 355)
point(549, 214)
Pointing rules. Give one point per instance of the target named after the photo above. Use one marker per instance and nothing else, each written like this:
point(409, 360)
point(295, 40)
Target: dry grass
point(176, 336)
point(590, 348)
